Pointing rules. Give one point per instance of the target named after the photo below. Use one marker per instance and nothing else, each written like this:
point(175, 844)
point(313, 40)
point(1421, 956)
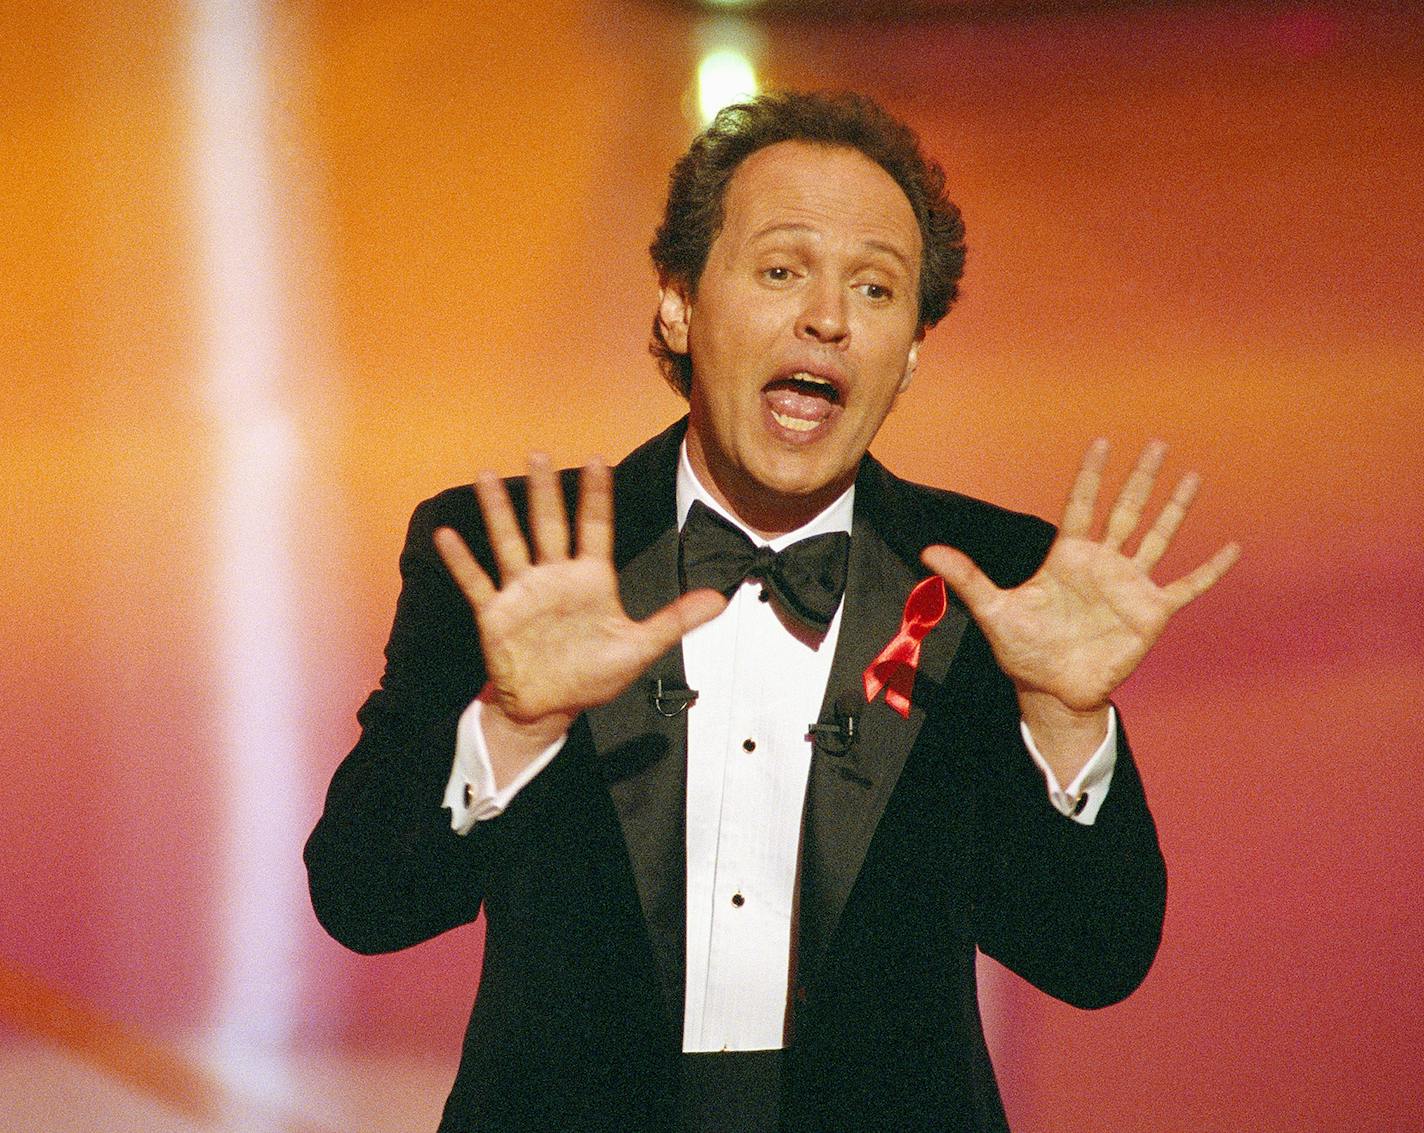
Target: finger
point(1159, 537)
point(1127, 510)
point(469, 576)
point(595, 511)
point(962, 576)
point(667, 627)
point(1083, 497)
point(511, 553)
point(548, 522)
point(1194, 585)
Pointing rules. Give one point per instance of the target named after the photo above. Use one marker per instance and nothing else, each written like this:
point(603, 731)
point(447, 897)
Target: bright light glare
point(257, 743)
point(723, 77)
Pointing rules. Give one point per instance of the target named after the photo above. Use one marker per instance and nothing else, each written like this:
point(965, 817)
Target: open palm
point(1078, 628)
point(555, 635)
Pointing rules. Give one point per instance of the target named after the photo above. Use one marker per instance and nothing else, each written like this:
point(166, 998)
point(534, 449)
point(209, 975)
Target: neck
point(765, 511)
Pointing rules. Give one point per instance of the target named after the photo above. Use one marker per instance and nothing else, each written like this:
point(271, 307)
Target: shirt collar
point(835, 517)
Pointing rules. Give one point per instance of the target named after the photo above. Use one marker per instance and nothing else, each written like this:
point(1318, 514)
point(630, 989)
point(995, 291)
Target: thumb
point(961, 575)
point(668, 626)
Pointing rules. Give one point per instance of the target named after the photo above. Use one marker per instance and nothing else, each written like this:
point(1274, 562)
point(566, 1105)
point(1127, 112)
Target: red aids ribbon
point(894, 669)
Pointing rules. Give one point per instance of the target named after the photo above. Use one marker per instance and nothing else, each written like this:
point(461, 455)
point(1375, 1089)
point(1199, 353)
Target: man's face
point(803, 330)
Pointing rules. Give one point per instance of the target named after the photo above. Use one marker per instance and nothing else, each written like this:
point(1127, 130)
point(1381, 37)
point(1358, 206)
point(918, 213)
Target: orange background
point(1200, 221)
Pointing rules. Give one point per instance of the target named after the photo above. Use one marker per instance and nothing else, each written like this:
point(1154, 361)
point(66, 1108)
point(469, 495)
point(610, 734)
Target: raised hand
point(555, 635)
point(1078, 628)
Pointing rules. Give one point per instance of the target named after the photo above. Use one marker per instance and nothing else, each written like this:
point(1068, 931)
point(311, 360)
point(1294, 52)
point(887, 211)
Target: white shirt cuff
point(470, 793)
point(1082, 797)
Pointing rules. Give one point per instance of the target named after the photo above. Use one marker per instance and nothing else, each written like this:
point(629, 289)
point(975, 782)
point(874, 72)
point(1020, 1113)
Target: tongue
point(794, 403)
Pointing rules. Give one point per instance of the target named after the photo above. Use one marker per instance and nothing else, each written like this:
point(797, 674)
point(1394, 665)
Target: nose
point(824, 317)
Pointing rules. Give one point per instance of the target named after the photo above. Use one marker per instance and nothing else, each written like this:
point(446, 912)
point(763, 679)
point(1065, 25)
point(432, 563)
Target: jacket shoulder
point(1009, 546)
point(454, 507)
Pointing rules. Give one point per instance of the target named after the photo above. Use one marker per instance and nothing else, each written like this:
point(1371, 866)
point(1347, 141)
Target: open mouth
point(802, 402)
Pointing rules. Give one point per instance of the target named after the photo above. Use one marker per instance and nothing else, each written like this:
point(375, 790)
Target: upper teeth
point(802, 376)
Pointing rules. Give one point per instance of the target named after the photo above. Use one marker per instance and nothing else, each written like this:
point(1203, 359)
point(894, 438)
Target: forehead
point(825, 192)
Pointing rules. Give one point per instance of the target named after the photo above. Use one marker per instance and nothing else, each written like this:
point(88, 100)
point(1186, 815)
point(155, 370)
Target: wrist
point(1065, 737)
point(535, 733)
point(513, 744)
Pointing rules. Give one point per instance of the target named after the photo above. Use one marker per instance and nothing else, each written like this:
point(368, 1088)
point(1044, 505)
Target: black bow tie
point(807, 579)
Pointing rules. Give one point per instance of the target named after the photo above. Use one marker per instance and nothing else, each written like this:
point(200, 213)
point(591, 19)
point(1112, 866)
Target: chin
point(796, 483)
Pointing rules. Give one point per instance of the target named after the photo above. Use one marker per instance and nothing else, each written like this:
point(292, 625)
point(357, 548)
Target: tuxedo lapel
point(642, 753)
point(847, 794)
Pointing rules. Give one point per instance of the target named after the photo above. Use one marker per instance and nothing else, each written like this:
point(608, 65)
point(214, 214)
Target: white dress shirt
point(760, 682)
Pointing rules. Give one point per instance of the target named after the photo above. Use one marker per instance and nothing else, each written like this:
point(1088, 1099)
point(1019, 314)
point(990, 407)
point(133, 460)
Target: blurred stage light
point(258, 754)
point(724, 76)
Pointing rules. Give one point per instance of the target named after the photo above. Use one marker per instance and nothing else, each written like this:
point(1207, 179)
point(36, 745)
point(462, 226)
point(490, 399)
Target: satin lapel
point(642, 754)
point(847, 794)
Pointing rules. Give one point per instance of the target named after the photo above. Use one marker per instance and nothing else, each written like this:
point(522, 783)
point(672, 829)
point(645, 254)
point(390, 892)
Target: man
point(737, 845)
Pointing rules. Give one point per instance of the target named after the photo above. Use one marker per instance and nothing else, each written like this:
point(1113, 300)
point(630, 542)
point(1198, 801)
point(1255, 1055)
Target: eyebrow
point(791, 227)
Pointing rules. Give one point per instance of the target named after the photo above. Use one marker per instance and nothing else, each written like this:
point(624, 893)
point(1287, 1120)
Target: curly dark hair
point(698, 183)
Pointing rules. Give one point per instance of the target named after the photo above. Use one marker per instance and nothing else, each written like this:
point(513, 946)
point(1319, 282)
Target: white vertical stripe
point(258, 746)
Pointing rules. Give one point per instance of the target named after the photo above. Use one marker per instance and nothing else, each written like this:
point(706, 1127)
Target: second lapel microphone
point(839, 736)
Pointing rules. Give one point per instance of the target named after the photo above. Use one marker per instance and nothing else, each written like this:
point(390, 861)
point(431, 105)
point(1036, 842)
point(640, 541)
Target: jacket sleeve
point(1076, 910)
point(384, 868)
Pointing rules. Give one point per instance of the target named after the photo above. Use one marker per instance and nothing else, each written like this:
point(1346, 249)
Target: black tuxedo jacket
point(931, 836)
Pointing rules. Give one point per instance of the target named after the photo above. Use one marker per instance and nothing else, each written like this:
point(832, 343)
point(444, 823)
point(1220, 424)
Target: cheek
point(875, 411)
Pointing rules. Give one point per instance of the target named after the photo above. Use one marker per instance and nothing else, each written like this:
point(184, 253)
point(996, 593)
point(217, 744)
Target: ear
point(911, 361)
point(674, 314)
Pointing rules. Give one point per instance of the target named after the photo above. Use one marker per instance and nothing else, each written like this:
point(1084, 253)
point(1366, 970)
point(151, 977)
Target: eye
point(778, 274)
point(876, 291)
